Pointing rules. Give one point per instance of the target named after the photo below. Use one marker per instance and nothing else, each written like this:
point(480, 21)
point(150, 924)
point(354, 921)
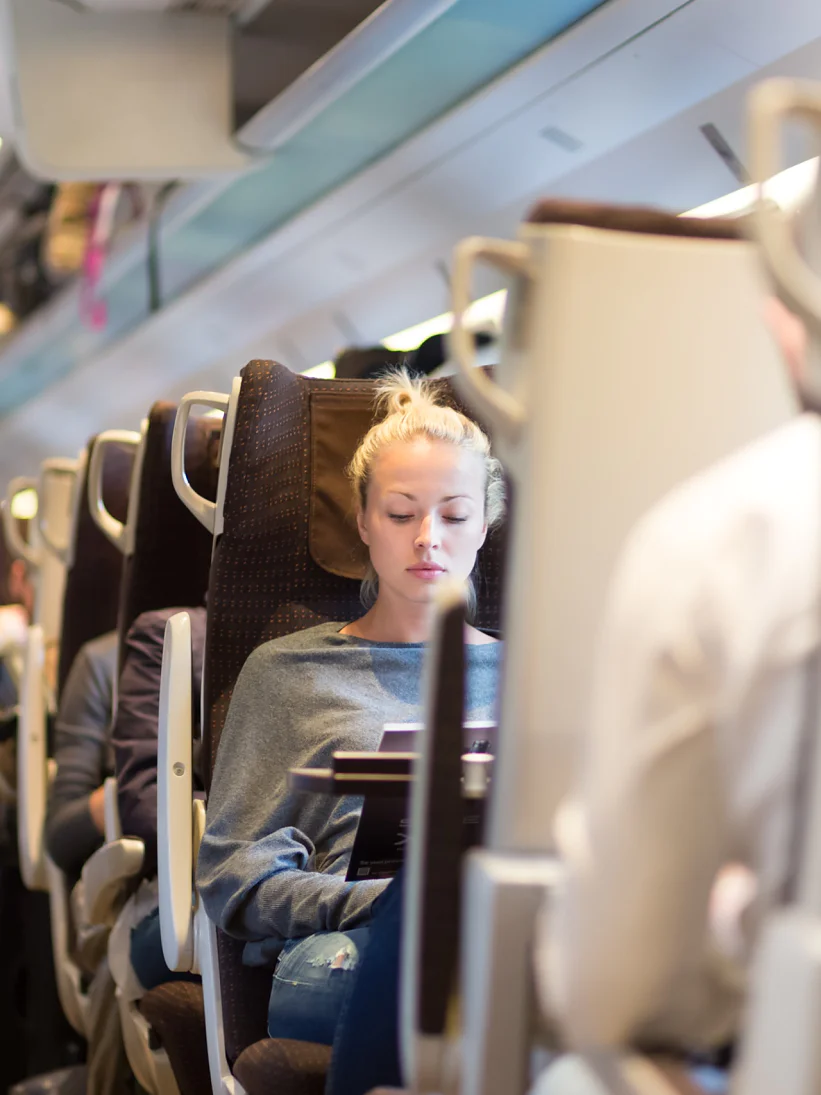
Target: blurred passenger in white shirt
point(691, 768)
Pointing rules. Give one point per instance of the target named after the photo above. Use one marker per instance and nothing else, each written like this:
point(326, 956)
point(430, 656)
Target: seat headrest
point(92, 589)
point(633, 218)
point(338, 422)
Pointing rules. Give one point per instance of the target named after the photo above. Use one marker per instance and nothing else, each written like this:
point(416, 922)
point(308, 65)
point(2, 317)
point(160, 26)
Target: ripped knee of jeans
point(346, 958)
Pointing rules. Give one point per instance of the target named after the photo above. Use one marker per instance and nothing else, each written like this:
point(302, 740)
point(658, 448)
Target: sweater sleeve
point(257, 876)
point(80, 748)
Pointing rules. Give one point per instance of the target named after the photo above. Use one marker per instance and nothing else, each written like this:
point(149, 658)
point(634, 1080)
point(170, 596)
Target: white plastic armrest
point(105, 875)
point(59, 545)
point(73, 1000)
point(111, 811)
point(115, 530)
point(32, 765)
point(175, 853)
point(204, 510)
point(16, 544)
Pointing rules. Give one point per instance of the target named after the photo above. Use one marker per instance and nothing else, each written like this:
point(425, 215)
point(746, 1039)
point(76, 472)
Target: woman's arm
point(83, 720)
point(256, 870)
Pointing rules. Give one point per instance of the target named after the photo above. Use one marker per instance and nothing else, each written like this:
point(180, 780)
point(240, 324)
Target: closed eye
point(456, 520)
point(401, 518)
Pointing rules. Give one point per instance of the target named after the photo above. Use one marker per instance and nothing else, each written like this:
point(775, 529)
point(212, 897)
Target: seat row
point(620, 378)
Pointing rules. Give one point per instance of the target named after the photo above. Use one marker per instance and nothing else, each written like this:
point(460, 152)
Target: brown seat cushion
point(176, 1014)
point(280, 1066)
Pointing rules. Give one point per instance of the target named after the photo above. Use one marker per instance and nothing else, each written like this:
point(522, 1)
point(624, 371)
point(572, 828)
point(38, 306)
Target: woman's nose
point(428, 535)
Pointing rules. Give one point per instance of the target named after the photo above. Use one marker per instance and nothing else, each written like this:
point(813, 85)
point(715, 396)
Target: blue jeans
point(311, 979)
point(366, 1050)
point(147, 957)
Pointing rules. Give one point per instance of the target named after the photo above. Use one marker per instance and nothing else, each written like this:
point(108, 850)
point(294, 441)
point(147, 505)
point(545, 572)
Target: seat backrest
point(172, 551)
point(92, 589)
point(289, 558)
point(635, 353)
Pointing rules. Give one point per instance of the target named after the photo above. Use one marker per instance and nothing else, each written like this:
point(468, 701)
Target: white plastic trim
point(222, 1080)
point(73, 1000)
point(175, 853)
point(47, 517)
point(16, 544)
point(771, 104)
point(111, 810)
point(226, 444)
point(32, 771)
point(105, 875)
point(204, 510)
point(115, 530)
point(150, 1066)
point(504, 413)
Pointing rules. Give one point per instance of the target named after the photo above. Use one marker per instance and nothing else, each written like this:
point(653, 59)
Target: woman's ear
point(363, 528)
point(484, 536)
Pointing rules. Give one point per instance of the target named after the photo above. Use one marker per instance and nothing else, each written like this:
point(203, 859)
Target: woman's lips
point(427, 572)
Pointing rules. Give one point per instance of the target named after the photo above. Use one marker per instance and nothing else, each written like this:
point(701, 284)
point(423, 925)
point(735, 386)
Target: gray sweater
point(272, 861)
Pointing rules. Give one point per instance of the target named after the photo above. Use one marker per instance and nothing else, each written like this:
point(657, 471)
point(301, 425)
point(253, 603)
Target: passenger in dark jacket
point(137, 721)
point(135, 740)
point(74, 823)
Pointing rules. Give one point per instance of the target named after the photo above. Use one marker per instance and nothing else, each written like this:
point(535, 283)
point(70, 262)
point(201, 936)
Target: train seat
point(166, 558)
point(287, 556)
point(92, 591)
point(45, 554)
point(613, 349)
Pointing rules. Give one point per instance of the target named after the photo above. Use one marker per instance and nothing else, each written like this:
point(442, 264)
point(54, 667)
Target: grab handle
point(17, 545)
point(502, 411)
point(204, 510)
point(112, 528)
point(770, 104)
point(54, 467)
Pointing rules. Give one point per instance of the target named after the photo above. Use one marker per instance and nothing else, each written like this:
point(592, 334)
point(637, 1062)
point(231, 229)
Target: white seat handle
point(17, 545)
point(115, 530)
point(32, 764)
point(53, 467)
point(503, 413)
point(772, 103)
point(204, 510)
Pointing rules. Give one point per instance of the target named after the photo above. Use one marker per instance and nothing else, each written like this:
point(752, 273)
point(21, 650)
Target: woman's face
point(424, 520)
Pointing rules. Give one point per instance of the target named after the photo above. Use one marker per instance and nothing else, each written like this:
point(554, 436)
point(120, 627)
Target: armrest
point(432, 898)
point(105, 876)
point(111, 811)
point(32, 771)
point(175, 792)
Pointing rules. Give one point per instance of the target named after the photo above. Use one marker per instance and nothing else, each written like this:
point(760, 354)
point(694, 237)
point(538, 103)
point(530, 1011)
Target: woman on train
point(272, 862)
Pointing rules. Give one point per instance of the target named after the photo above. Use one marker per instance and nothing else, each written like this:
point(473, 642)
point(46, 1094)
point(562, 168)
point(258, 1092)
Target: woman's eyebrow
point(412, 497)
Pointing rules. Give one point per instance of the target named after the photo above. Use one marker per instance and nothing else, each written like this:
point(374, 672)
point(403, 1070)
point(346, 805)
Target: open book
point(379, 846)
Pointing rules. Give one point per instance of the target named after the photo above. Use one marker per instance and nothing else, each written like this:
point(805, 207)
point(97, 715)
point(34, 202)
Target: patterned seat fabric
point(176, 1015)
point(283, 1067)
point(172, 550)
point(92, 589)
point(265, 582)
